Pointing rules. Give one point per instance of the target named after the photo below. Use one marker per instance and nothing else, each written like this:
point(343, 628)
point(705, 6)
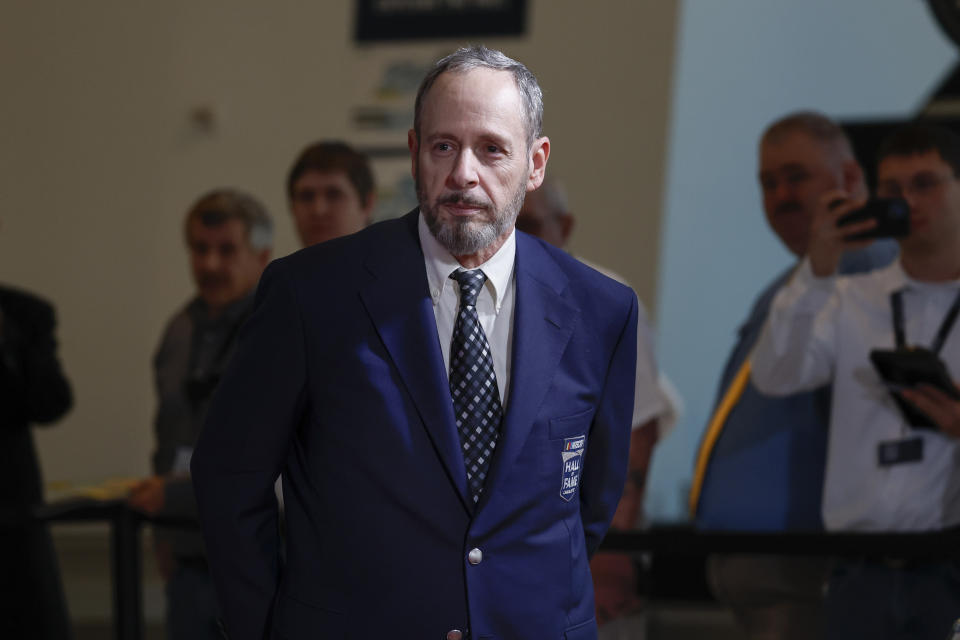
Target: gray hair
point(816, 125)
point(468, 58)
point(218, 206)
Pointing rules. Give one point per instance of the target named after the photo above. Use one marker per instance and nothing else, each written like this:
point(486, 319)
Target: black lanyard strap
point(896, 302)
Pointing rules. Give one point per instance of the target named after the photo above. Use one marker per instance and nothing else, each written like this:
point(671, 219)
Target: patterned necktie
point(473, 384)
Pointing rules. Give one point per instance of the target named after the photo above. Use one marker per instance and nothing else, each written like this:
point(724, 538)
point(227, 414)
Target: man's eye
point(796, 178)
point(492, 148)
point(443, 146)
point(922, 184)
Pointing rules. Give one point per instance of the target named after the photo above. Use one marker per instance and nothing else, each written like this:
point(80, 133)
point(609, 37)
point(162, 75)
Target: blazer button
point(475, 556)
point(454, 634)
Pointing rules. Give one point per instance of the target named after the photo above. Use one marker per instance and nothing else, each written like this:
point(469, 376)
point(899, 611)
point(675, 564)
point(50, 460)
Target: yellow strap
point(730, 398)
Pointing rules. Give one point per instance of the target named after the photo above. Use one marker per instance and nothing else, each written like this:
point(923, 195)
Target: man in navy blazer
point(340, 382)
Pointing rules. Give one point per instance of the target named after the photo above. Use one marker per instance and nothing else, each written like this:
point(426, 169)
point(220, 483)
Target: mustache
point(208, 280)
point(462, 198)
point(788, 207)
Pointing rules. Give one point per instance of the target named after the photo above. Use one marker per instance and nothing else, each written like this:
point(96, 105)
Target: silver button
point(475, 556)
point(454, 634)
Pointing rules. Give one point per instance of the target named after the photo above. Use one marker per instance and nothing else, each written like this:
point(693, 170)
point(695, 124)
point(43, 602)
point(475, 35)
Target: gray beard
point(467, 237)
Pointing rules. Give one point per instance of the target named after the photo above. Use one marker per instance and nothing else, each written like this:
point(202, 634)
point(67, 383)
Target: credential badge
point(572, 453)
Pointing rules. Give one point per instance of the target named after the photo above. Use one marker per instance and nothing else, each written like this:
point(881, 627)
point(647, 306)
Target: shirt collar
point(235, 310)
point(440, 264)
point(898, 280)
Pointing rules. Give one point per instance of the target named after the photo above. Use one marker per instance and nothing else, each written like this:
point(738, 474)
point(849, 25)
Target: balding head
point(802, 156)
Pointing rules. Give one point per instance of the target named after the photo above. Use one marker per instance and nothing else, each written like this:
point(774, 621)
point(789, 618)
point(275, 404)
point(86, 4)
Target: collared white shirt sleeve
point(495, 303)
point(796, 348)
point(822, 330)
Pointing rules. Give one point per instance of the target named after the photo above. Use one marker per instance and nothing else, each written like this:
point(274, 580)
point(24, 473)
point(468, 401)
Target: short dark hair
point(920, 137)
point(467, 58)
point(220, 205)
point(332, 155)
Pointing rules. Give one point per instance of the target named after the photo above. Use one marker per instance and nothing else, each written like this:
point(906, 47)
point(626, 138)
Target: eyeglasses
point(920, 185)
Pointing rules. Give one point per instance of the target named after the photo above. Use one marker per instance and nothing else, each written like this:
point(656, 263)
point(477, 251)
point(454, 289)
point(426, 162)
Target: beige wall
point(99, 159)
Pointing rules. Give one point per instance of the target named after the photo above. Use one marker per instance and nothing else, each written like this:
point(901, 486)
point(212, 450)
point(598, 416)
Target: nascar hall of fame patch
point(572, 453)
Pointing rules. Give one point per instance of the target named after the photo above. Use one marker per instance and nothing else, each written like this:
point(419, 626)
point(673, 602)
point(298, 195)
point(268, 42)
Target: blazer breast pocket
point(565, 452)
point(577, 424)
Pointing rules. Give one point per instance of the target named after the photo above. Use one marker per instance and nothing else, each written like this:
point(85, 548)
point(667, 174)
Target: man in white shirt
point(882, 474)
point(546, 214)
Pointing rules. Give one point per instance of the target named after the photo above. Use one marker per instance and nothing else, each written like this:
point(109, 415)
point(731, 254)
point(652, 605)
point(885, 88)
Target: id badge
point(891, 452)
point(181, 460)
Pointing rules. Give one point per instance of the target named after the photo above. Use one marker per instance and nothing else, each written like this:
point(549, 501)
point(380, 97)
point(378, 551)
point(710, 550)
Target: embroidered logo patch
point(572, 453)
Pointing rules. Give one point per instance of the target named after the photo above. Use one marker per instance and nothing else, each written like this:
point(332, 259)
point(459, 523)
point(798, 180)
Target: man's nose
point(210, 261)
point(319, 207)
point(463, 174)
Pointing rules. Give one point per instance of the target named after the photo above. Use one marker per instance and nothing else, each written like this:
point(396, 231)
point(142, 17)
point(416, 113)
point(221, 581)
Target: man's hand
point(941, 408)
point(148, 496)
point(614, 586)
point(642, 441)
point(827, 242)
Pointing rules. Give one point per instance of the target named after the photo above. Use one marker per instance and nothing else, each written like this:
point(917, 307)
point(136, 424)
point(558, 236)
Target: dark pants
point(772, 597)
point(32, 604)
point(889, 600)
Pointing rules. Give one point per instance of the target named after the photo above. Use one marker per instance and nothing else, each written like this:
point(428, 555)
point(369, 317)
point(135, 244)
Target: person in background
point(761, 461)
point(449, 403)
point(546, 214)
point(33, 391)
point(892, 450)
point(330, 191)
point(229, 236)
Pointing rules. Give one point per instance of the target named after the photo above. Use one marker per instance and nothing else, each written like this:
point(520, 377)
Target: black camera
point(892, 216)
point(906, 368)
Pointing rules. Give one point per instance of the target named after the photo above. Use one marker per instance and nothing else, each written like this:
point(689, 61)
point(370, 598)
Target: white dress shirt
point(822, 330)
point(495, 303)
point(655, 397)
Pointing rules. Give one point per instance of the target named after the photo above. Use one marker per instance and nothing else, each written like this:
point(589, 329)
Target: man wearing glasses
point(892, 451)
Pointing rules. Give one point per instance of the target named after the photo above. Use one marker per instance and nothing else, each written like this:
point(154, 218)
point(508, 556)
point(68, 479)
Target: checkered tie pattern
point(473, 384)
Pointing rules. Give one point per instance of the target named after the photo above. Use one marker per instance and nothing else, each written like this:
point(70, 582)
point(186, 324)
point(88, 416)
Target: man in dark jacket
point(33, 390)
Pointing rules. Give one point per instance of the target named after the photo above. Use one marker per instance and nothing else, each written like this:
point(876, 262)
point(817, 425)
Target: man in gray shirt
point(229, 236)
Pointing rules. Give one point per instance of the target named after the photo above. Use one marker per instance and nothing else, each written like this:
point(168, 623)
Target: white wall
point(739, 65)
point(99, 159)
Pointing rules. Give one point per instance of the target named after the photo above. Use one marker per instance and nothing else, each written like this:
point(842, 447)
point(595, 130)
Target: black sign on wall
point(379, 20)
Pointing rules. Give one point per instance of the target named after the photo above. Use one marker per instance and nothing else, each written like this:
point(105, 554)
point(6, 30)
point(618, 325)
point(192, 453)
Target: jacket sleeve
point(33, 386)
point(239, 455)
point(608, 448)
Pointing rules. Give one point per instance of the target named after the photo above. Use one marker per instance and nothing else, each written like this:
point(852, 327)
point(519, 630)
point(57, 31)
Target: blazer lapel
point(543, 323)
point(399, 303)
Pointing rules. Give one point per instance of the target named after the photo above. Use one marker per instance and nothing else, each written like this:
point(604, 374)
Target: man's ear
point(539, 154)
point(369, 203)
point(414, 147)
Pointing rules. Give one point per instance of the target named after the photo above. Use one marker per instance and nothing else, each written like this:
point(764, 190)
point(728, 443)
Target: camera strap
point(896, 302)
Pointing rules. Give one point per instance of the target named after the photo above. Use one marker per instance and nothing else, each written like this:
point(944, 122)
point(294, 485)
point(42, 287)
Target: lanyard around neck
point(896, 301)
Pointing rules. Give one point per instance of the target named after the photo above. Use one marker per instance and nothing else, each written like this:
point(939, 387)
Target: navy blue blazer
point(338, 383)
